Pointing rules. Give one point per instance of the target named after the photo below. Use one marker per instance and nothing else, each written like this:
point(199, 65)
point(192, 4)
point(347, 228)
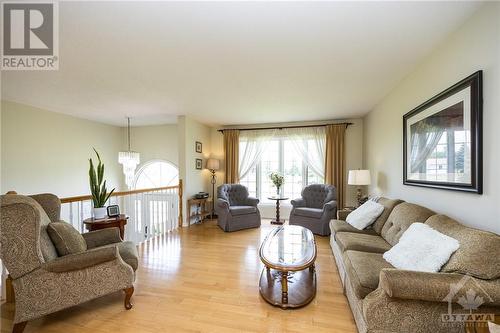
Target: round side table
point(278, 199)
point(119, 222)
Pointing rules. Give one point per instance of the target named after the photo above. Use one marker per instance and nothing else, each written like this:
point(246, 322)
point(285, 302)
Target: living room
point(250, 167)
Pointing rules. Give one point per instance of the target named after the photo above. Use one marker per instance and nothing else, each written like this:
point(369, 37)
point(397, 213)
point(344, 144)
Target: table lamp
point(213, 165)
point(359, 178)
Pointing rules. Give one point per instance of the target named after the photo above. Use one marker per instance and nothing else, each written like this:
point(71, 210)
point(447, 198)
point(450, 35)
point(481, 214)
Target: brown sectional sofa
point(385, 299)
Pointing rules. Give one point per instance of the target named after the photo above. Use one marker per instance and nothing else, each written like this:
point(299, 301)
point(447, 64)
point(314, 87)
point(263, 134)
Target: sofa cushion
point(242, 210)
point(402, 216)
point(235, 194)
point(479, 251)
point(316, 195)
point(361, 242)
point(66, 239)
point(314, 213)
point(342, 226)
point(389, 205)
point(363, 270)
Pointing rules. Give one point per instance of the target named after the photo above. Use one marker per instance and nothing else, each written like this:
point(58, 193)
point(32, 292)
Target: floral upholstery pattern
point(42, 284)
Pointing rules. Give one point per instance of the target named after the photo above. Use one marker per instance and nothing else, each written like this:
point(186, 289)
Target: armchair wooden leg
point(128, 296)
point(19, 327)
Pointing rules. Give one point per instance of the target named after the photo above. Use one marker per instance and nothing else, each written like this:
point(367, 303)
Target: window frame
point(281, 169)
point(149, 163)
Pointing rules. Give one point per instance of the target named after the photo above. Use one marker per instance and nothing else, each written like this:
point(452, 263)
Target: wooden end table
point(201, 212)
point(278, 199)
point(119, 222)
point(342, 213)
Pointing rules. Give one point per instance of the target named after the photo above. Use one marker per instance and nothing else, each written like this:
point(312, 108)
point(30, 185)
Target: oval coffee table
point(289, 278)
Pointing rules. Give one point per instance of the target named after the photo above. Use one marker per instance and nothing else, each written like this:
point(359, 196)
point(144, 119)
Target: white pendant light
point(130, 160)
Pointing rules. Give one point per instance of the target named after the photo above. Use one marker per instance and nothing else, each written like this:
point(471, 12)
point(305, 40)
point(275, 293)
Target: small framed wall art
point(199, 164)
point(199, 147)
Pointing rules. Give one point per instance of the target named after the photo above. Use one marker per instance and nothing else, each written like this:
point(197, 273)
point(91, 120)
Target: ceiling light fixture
point(129, 159)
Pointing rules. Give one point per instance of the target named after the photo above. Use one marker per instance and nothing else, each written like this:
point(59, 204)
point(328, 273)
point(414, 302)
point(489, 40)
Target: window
point(280, 156)
point(447, 159)
point(157, 174)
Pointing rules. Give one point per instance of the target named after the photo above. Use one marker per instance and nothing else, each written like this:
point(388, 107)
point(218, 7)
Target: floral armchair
point(45, 282)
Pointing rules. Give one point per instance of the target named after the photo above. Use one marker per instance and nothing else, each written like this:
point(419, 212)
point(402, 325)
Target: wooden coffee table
point(289, 278)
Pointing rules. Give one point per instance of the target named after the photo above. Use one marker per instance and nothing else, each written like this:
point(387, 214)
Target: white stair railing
point(151, 212)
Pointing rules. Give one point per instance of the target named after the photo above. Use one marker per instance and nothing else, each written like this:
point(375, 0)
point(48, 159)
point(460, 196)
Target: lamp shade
point(359, 177)
point(213, 164)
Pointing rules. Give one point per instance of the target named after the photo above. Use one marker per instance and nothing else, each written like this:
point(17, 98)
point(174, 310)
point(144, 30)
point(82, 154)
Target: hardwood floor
point(200, 279)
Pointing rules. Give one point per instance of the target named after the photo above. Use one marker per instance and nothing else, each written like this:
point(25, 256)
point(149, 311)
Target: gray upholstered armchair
point(315, 209)
point(45, 282)
point(235, 209)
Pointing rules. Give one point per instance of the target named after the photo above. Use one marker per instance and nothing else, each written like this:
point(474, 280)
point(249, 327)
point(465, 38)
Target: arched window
point(157, 173)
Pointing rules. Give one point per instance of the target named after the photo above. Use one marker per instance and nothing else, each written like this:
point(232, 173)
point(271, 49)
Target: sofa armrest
point(436, 287)
point(77, 261)
point(102, 237)
point(343, 213)
point(330, 205)
point(252, 201)
point(222, 204)
point(298, 203)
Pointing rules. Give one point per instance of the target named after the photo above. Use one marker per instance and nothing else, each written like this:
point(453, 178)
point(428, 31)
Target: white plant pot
point(99, 213)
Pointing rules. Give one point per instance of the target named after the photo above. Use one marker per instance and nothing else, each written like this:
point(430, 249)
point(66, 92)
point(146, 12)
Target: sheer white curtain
point(310, 142)
point(252, 145)
point(423, 142)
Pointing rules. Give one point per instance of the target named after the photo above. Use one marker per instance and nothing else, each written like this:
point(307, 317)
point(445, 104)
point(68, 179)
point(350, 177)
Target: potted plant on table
point(278, 181)
point(98, 188)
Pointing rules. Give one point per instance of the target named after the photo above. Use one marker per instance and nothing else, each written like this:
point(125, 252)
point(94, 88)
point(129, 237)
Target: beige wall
point(217, 151)
point(154, 143)
point(195, 180)
point(473, 47)
point(43, 151)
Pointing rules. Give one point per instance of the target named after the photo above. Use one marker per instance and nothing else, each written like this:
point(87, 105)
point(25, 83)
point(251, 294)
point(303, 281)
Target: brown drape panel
point(335, 173)
point(231, 155)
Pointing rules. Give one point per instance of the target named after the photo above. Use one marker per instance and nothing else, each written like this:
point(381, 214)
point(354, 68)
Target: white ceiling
point(233, 62)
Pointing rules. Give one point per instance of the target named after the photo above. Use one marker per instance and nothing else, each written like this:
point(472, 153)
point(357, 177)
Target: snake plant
point(97, 187)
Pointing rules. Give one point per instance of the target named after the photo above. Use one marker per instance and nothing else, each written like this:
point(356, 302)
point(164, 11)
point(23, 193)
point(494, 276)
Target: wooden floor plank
point(200, 279)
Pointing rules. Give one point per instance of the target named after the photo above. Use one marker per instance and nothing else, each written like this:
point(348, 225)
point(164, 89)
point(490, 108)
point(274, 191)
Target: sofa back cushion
point(479, 251)
point(316, 195)
point(389, 205)
point(401, 217)
point(235, 194)
point(50, 204)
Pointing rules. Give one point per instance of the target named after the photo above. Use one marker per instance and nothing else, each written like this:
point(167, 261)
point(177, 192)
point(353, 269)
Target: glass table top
point(289, 248)
point(274, 197)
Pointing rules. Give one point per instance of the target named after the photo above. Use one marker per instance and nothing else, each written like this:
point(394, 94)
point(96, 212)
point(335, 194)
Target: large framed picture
point(442, 145)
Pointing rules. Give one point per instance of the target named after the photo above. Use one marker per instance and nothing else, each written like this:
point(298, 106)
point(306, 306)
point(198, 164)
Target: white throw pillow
point(494, 328)
point(365, 214)
point(421, 248)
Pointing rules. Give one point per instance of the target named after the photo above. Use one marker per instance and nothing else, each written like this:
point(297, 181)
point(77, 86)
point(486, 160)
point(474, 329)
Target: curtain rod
point(279, 127)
